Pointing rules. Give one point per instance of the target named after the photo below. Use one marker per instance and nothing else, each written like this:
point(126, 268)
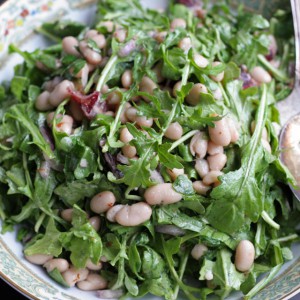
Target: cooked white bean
point(109, 25)
point(90, 55)
point(51, 84)
point(198, 145)
point(64, 123)
point(217, 162)
point(134, 215)
point(161, 194)
point(67, 214)
point(70, 44)
point(73, 275)
point(233, 128)
point(202, 167)
point(174, 131)
point(244, 256)
point(125, 135)
point(42, 102)
point(220, 76)
point(100, 40)
point(185, 44)
point(38, 259)
point(198, 251)
point(129, 151)
point(220, 134)
point(111, 213)
point(113, 99)
point(93, 282)
point(174, 173)
point(123, 117)
point(120, 35)
point(102, 202)
point(61, 92)
point(176, 88)
point(131, 114)
point(260, 75)
point(213, 149)
point(218, 94)
point(94, 267)
point(194, 96)
point(178, 22)
point(200, 60)
point(60, 264)
point(212, 177)
point(160, 36)
point(127, 79)
point(90, 33)
point(147, 85)
point(200, 188)
point(95, 222)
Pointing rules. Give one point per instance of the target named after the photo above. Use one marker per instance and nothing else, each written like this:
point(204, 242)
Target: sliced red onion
point(122, 159)
point(110, 294)
point(156, 177)
point(170, 229)
point(127, 49)
point(111, 163)
point(47, 135)
point(248, 81)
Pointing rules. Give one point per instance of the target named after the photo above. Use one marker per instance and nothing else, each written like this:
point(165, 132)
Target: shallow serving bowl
point(17, 22)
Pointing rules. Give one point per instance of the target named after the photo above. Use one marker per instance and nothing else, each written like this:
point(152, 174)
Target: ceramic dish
point(18, 19)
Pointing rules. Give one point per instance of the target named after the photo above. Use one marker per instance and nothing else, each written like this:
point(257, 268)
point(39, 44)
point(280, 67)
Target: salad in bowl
point(140, 155)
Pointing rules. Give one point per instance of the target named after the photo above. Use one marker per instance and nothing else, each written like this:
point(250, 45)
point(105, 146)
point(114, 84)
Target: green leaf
point(56, 275)
point(167, 159)
point(18, 85)
point(183, 185)
point(131, 285)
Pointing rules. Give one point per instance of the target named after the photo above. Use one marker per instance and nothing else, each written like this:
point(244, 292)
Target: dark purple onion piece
point(122, 159)
point(127, 49)
point(248, 81)
point(47, 135)
point(111, 163)
point(170, 229)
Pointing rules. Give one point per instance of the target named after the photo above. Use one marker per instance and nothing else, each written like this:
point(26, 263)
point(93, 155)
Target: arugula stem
point(105, 72)
point(287, 238)
point(39, 222)
point(181, 272)
point(279, 75)
point(48, 34)
point(27, 175)
point(91, 81)
point(131, 197)
point(226, 98)
point(268, 220)
point(262, 283)
point(182, 139)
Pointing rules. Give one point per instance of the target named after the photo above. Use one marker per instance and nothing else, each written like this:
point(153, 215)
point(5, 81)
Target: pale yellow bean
point(198, 145)
point(147, 85)
point(244, 256)
point(73, 275)
point(178, 22)
point(127, 79)
point(218, 77)
point(217, 162)
point(202, 167)
point(200, 188)
point(60, 264)
point(93, 282)
point(213, 149)
point(198, 251)
point(111, 213)
point(42, 102)
point(212, 177)
point(102, 202)
point(260, 75)
point(194, 96)
point(174, 131)
point(200, 60)
point(220, 134)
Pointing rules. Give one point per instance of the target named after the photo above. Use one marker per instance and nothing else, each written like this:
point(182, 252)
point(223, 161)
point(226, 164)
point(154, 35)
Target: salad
point(141, 155)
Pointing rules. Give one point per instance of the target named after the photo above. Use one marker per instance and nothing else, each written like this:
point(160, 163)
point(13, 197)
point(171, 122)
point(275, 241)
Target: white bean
point(234, 133)
point(60, 264)
point(134, 215)
point(198, 145)
point(176, 88)
point(94, 267)
point(125, 135)
point(100, 40)
point(93, 282)
point(95, 222)
point(200, 60)
point(123, 117)
point(64, 123)
point(194, 96)
point(244, 256)
point(266, 145)
point(114, 98)
point(42, 102)
point(202, 167)
point(220, 134)
point(129, 151)
point(67, 214)
point(76, 111)
point(217, 162)
point(73, 275)
point(127, 79)
point(102, 202)
point(44, 169)
point(61, 92)
point(147, 85)
point(70, 44)
point(212, 177)
point(160, 36)
point(120, 35)
point(185, 44)
point(158, 72)
point(174, 173)
point(90, 55)
point(218, 77)
point(260, 75)
point(174, 131)
point(178, 22)
point(109, 25)
point(38, 259)
point(90, 33)
point(213, 149)
point(218, 94)
point(198, 251)
point(131, 114)
point(111, 213)
point(200, 188)
point(161, 194)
